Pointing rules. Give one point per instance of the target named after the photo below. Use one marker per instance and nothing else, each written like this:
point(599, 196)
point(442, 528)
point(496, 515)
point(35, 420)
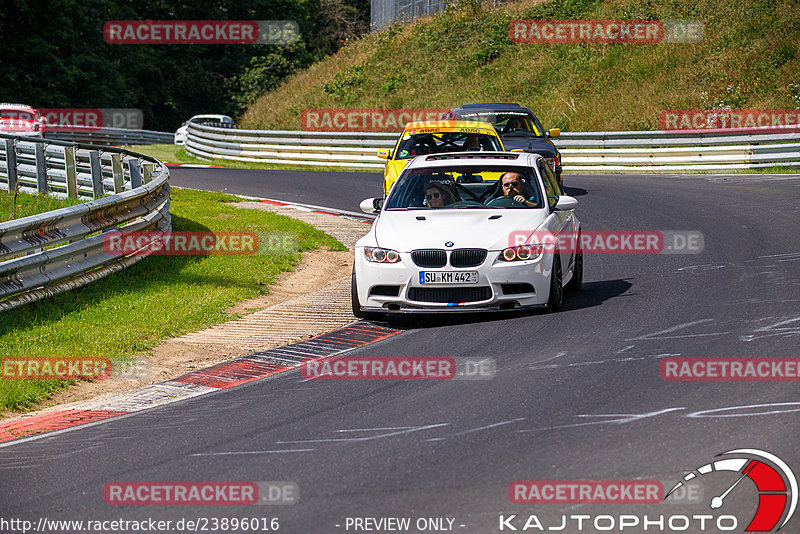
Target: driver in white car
point(512, 185)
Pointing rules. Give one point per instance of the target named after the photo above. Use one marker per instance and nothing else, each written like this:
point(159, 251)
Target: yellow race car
point(436, 137)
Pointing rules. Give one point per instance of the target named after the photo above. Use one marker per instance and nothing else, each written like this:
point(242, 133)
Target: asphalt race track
point(577, 394)
point(340, 190)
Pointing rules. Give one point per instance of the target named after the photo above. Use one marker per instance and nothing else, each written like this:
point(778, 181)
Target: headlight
point(381, 255)
point(522, 253)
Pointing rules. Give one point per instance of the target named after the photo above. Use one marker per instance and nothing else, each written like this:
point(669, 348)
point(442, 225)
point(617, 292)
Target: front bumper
point(396, 288)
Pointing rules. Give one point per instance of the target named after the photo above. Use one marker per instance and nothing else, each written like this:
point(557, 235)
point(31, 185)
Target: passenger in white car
point(437, 196)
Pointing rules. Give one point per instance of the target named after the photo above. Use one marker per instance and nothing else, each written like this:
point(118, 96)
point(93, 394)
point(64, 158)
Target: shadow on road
point(575, 191)
point(591, 294)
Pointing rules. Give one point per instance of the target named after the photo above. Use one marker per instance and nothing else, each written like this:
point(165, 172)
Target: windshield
point(464, 187)
point(16, 114)
point(411, 145)
point(507, 123)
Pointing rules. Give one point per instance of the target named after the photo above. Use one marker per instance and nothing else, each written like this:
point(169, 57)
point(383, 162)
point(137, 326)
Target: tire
point(576, 281)
point(354, 296)
point(556, 298)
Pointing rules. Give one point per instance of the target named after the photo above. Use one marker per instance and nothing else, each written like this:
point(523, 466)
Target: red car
point(19, 119)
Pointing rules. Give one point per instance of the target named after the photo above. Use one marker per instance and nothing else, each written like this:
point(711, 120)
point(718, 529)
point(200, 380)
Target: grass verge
point(177, 154)
point(749, 58)
point(15, 206)
point(158, 298)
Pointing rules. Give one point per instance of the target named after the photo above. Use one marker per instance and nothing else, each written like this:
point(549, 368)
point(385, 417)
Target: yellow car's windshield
point(420, 144)
point(509, 123)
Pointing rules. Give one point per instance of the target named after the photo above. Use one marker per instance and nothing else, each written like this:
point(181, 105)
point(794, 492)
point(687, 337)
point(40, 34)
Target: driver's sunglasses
point(434, 195)
point(509, 184)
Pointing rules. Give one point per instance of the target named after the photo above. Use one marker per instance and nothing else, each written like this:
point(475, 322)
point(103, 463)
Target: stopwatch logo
point(777, 485)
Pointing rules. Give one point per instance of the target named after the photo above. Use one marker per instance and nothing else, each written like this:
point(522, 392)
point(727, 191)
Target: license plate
point(448, 277)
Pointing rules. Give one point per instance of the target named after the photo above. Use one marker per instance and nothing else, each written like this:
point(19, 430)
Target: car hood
point(538, 145)
point(466, 228)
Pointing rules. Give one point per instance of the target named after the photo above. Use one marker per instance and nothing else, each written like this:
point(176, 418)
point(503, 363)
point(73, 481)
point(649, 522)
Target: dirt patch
point(318, 270)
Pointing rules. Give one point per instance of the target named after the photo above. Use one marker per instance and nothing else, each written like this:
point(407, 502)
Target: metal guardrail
point(48, 253)
point(324, 149)
point(112, 136)
point(645, 151)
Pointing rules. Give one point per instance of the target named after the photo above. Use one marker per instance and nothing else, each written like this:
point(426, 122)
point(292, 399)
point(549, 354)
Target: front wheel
point(576, 281)
point(556, 299)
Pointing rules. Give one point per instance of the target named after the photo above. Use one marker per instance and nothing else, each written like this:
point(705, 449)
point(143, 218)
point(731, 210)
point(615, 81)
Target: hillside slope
point(749, 58)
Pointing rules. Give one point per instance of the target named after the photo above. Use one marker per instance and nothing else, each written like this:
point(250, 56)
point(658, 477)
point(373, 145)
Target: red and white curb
point(195, 166)
point(225, 375)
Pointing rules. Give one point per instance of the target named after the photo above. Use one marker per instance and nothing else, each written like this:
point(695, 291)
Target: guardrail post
point(136, 173)
point(11, 163)
point(116, 172)
point(97, 174)
point(72, 172)
point(147, 169)
point(41, 169)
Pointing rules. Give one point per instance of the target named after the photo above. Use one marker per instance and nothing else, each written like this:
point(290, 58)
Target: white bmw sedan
point(469, 231)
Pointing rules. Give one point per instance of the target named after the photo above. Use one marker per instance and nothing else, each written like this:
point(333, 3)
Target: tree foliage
point(54, 54)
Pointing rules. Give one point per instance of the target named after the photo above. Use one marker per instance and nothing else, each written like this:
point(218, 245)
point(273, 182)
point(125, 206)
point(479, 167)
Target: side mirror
point(43, 119)
point(384, 154)
point(371, 205)
point(555, 132)
point(565, 203)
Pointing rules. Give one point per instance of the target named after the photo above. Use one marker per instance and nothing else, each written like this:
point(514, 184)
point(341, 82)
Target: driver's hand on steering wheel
point(522, 200)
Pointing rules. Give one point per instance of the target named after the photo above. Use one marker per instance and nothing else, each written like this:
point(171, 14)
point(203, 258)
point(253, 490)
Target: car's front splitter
point(497, 307)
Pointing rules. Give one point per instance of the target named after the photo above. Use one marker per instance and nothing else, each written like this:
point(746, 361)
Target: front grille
point(431, 258)
point(516, 289)
point(467, 257)
point(449, 294)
